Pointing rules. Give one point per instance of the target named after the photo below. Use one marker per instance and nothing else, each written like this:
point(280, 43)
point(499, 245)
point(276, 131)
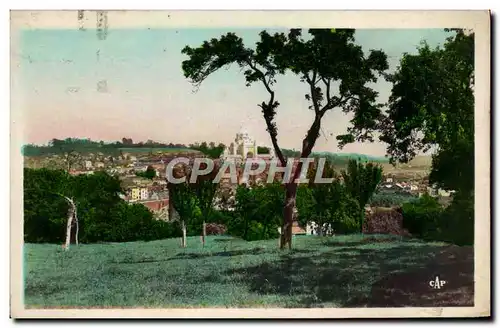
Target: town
point(142, 172)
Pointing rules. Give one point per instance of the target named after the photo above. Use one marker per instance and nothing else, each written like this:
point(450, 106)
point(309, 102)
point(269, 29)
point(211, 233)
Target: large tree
point(335, 72)
point(432, 105)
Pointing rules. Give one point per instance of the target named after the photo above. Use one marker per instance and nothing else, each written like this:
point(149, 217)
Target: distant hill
point(348, 156)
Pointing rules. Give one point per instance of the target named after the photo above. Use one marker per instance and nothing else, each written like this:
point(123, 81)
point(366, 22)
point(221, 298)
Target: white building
point(144, 194)
point(244, 146)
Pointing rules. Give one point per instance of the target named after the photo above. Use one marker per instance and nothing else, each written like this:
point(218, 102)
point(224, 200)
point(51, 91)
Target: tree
point(361, 182)
point(263, 150)
point(432, 105)
point(211, 150)
point(47, 195)
point(67, 148)
point(205, 190)
point(323, 59)
point(127, 141)
point(182, 198)
point(150, 173)
point(257, 211)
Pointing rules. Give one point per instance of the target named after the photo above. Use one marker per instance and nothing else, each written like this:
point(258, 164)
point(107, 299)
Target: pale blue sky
point(148, 97)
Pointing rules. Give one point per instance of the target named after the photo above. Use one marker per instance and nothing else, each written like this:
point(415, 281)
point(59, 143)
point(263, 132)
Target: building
point(135, 194)
point(155, 205)
point(144, 193)
point(139, 193)
point(244, 146)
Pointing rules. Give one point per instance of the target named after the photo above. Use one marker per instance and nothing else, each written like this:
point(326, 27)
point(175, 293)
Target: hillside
point(341, 271)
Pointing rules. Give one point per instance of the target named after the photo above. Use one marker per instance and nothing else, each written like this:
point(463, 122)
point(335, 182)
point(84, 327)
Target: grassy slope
point(318, 272)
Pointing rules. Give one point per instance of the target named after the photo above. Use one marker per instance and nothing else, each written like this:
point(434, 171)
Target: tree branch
point(268, 111)
point(312, 84)
point(327, 86)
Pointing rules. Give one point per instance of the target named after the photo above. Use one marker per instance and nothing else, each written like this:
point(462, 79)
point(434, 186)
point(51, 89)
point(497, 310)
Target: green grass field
point(319, 272)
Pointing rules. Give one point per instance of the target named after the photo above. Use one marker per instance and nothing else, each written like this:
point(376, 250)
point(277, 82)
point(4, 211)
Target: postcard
point(250, 164)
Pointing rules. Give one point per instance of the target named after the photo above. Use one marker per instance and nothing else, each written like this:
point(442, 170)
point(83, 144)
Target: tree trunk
point(72, 217)
point(288, 215)
point(183, 225)
point(68, 228)
point(76, 226)
point(204, 232)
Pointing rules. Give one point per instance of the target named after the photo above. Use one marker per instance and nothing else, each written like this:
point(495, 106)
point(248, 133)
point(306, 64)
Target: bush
point(458, 221)
point(215, 229)
point(257, 231)
point(385, 222)
point(347, 218)
point(423, 218)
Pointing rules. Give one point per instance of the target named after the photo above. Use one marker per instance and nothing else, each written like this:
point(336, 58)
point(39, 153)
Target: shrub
point(257, 231)
point(385, 222)
point(423, 218)
point(215, 229)
point(347, 218)
point(458, 221)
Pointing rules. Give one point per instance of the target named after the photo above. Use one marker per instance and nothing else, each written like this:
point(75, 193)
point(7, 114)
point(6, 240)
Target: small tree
point(205, 190)
point(361, 182)
point(321, 60)
point(183, 199)
point(150, 173)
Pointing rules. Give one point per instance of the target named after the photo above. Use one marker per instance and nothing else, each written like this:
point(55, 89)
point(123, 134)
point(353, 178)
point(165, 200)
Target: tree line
point(82, 146)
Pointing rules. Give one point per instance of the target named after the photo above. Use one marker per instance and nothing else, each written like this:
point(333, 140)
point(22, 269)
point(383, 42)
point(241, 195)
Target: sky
point(147, 96)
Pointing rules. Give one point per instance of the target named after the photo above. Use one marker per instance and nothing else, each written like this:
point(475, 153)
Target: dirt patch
point(455, 265)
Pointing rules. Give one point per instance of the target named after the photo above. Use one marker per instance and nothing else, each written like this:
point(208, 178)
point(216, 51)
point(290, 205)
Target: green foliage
point(458, 221)
point(386, 199)
point(150, 173)
point(211, 150)
point(103, 216)
point(263, 150)
point(194, 201)
point(205, 190)
point(423, 218)
point(432, 104)
point(183, 198)
point(427, 219)
point(258, 212)
point(85, 146)
point(328, 203)
point(361, 181)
